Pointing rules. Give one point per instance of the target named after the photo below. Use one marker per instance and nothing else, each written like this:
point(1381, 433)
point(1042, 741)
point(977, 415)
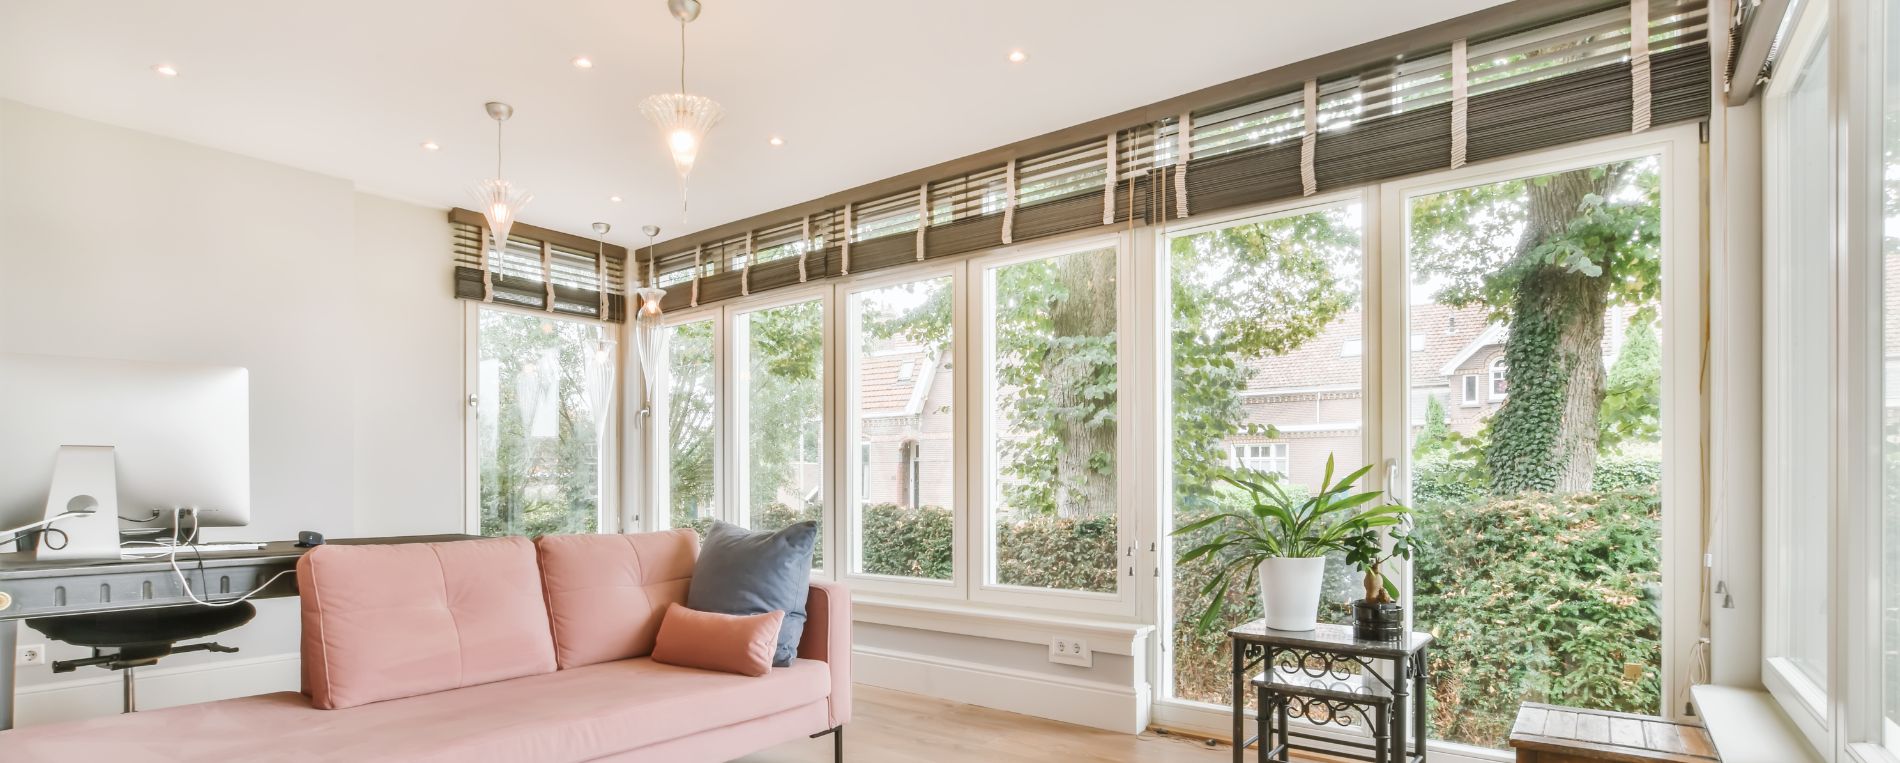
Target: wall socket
point(31, 654)
point(1070, 651)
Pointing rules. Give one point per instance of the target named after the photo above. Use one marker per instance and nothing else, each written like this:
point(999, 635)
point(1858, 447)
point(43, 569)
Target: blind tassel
point(697, 250)
point(845, 268)
point(1639, 65)
point(488, 279)
point(1184, 141)
point(1460, 102)
point(1108, 186)
point(1309, 182)
point(547, 276)
point(923, 217)
point(1009, 202)
point(804, 250)
point(745, 273)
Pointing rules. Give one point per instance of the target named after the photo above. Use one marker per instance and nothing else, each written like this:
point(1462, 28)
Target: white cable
point(186, 582)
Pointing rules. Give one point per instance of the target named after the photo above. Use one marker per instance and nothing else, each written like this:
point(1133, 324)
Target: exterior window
point(1249, 347)
point(1051, 374)
point(1270, 458)
point(899, 406)
point(544, 399)
point(690, 420)
point(1590, 480)
point(1799, 385)
point(781, 373)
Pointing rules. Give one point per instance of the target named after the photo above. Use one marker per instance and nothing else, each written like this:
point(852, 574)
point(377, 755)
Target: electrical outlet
point(31, 654)
point(1070, 651)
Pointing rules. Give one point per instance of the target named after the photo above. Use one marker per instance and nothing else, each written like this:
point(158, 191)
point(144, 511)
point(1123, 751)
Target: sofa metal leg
point(837, 742)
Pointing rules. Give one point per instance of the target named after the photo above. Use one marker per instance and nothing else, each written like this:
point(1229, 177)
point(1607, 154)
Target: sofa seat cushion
point(569, 715)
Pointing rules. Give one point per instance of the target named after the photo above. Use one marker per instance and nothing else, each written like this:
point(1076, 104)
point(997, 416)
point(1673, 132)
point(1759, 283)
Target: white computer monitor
point(179, 438)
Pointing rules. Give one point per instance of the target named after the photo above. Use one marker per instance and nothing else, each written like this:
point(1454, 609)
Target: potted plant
point(1283, 541)
point(1379, 617)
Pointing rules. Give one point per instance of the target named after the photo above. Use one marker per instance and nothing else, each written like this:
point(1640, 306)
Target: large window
point(1053, 403)
point(781, 391)
point(1564, 605)
point(543, 404)
point(902, 412)
point(1266, 325)
point(690, 416)
point(1798, 383)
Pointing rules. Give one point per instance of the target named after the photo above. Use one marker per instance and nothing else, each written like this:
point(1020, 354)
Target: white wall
point(116, 243)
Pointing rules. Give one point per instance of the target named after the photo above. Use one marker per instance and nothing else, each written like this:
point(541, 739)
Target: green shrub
point(1540, 598)
point(1058, 552)
point(910, 542)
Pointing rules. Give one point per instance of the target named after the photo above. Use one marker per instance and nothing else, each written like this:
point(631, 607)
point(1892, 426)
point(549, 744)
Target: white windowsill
point(1007, 624)
point(1871, 753)
point(1747, 726)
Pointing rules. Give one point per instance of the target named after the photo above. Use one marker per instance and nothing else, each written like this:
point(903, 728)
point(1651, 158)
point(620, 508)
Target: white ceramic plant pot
point(1289, 592)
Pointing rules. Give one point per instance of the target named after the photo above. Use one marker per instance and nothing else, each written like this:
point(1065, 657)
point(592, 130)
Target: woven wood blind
point(538, 269)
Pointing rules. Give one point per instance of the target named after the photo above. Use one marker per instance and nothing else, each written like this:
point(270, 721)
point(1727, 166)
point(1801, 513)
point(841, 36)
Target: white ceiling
point(860, 90)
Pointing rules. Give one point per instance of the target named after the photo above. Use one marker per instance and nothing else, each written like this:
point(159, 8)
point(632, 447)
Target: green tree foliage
point(690, 411)
point(1435, 435)
point(1632, 401)
point(1546, 255)
point(785, 397)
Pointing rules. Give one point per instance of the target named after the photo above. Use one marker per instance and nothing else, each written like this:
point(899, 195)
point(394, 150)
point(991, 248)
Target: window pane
point(1541, 508)
point(1268, 361)
point(902, 388)
point(691, 417)
point(1805, 320)
point(545, 389)
point(1052, 423)
point(782, 359)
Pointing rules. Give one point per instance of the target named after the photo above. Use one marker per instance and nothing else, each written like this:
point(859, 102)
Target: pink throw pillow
point(741, 644)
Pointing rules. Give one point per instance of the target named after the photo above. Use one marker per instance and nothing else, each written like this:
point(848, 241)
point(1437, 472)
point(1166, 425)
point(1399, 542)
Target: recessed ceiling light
point(429, 145)
point(1017, 56)
point(776, 141)
point(583, 62)
point(614, 199)
point(165, 70)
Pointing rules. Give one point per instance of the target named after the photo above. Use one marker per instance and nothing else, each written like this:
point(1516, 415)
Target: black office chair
point(141, 636)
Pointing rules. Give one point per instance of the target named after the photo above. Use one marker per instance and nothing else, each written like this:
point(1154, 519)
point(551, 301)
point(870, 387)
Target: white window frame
point(851, 478)
point(1468, 386)
point(1679, 151)
point(608, 505)
point(1243, 454)
point(734, 385)
point(1805, 702)
point(981, 549)
point(659, 515)
point(1495, 375)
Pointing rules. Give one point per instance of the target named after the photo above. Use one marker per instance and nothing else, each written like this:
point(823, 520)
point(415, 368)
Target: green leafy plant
point(1368, 552)
point(1279, 525)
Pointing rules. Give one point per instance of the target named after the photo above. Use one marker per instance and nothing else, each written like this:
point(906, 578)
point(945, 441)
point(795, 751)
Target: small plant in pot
point(1282, 541)
point(1379, 617)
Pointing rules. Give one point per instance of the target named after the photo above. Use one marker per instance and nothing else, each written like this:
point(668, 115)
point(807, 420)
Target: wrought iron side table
point(1327, 675)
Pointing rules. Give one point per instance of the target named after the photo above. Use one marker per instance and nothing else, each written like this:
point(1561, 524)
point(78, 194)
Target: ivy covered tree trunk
point(1544, 438)
point(1081, 368)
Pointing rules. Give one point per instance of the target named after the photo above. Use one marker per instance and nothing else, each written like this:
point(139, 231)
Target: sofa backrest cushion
point(607, 593)
point(389, 621)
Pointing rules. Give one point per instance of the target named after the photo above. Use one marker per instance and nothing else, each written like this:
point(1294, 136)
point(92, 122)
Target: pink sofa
point(493, 650)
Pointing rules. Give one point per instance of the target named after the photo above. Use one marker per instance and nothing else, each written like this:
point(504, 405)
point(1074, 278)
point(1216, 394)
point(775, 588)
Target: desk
point(31, 588)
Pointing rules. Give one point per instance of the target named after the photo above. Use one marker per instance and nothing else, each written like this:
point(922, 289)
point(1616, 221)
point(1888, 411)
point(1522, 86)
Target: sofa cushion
point(387, 621)
point(741, 572)
point(607, 593)
point(568, 715)
point(741, 644)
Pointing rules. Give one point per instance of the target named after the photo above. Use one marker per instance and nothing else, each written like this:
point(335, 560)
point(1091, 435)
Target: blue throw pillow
point(741, 572)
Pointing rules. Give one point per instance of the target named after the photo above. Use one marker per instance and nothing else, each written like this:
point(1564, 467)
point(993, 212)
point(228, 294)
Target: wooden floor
point(894, 727)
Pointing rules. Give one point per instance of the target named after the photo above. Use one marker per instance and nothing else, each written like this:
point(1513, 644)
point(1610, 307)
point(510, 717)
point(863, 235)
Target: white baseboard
point(101, 693)
point(1097, 704)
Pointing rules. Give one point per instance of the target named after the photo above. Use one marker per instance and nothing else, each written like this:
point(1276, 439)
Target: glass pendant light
point(647, 325)
point(499, 200)
point(683, 118)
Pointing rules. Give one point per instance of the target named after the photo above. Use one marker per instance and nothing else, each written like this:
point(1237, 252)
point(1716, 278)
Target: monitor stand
point(85, 479)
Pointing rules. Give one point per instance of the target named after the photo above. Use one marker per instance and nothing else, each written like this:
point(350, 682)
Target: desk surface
point(22, 565)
